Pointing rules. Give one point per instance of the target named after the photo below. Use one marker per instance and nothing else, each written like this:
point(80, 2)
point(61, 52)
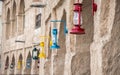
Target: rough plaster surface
point(80, 64)
point(111, 50)
point(95, 53)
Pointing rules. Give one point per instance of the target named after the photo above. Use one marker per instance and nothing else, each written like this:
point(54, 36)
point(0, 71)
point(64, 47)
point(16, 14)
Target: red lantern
point(94, 7)
point(77, 20)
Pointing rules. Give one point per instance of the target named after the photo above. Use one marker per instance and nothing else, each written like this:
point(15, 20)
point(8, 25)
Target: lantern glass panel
point(34, 53)
point(76, 18)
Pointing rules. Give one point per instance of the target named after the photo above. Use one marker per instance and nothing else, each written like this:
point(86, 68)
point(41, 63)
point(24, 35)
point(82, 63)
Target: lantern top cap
point(35, 48)
point(78, 4)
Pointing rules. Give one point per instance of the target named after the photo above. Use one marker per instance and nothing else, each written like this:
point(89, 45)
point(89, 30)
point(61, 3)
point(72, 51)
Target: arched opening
point(80, 63)
point(21, 17)
point(20, 64)
point(6, 65)
point(12, 65)
point(28, 64)
point(14, 20)
point(8, 24)
point(59, 59)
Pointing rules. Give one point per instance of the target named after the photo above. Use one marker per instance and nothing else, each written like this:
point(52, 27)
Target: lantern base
point(77, 30)
point(55, 46)
point(35, 58)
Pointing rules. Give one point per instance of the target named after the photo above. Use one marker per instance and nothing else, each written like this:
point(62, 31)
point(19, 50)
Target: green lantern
point(35, 53)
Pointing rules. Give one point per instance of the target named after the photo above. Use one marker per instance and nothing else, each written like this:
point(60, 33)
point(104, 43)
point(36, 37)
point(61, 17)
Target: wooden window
point(38, 21)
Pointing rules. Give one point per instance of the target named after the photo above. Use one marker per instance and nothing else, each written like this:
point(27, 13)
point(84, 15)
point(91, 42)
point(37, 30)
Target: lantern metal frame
point(35, 57)
point(77, 27)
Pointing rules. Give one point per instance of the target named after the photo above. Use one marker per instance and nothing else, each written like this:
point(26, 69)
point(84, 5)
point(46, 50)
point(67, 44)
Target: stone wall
point(94, 53)
point(111, 50)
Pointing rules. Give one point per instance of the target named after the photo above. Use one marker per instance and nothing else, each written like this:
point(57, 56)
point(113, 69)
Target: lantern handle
point(43, 37)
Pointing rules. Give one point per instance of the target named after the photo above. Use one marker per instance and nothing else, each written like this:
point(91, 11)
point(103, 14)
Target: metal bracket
point(65, 28)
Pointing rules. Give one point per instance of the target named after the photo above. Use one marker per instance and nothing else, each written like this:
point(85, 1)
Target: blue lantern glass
point(54, 40)
point(28, 63)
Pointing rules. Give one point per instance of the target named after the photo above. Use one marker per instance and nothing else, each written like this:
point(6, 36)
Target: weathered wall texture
point(81, 61)
point(111, 50)
point(0, 33)
point(95, 53)
point(105, 48)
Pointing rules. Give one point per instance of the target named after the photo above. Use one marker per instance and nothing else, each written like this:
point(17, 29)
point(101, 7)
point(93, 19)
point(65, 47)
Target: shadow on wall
point(111, 51)
point(59, 60)
point(80, 64)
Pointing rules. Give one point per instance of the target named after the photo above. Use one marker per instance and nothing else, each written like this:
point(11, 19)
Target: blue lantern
point(54, 34)
point(35, 53)
point(54, 40)
point(28, 63)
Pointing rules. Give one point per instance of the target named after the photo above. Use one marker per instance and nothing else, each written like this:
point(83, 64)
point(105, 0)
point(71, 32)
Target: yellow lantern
point(42, 53)
point(42, 44)
point(19, 64)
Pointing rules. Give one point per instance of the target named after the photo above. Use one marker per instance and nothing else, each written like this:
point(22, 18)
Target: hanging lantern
point(42, 44)
point(77, 20)
point(11, 65)
point(54, 44)
point(42, 53)
point(54, 39)
point(19, 64)
point(35, 53)
point(94, 6)
point(28, 63)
